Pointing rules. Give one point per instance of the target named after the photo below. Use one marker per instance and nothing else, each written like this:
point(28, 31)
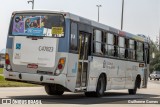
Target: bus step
point(81, 89)
point(79, 85)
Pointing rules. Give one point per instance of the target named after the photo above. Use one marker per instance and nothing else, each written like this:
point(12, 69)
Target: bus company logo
point(18, 46)
point(108, 65)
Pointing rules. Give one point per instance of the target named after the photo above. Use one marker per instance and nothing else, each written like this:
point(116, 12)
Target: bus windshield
point(51, 25)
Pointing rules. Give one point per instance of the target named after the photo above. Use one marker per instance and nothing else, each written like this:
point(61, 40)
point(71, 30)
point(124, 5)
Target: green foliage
point(154, 62)
point(1, 70)
point(157, 67)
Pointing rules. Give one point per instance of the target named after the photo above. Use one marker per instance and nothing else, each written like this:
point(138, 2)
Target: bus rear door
point(83, 63)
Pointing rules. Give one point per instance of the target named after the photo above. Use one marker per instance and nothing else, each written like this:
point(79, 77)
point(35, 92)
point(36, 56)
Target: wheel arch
point(105, 75)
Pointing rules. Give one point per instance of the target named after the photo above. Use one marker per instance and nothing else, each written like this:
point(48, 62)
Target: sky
point(140, 16)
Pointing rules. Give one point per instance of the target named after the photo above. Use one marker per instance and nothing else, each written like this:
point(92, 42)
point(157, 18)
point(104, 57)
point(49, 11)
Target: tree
point(154, 62)
point(157, 67)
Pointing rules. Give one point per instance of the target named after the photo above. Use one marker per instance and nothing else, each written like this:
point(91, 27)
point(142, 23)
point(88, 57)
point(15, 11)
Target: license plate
point(34, 66)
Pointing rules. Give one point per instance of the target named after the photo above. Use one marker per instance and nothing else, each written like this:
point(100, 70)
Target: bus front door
point(84, 47)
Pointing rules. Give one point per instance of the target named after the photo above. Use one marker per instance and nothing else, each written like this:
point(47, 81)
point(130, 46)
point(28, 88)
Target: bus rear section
point(33, 52)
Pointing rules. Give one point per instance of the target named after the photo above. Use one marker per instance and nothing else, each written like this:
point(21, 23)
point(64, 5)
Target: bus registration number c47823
point(46, 48)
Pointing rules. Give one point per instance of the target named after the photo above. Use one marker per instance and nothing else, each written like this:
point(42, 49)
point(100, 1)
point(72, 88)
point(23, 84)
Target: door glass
point(81, 45)
point(83, 48)
point(83, 57)
point(86, 48)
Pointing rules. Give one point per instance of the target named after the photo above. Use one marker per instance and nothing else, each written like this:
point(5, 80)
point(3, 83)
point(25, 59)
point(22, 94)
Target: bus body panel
point(131, 72)
point(120, 74)
point(28, 51)
point(30, 75)
point(72, 71)
point(38, 52)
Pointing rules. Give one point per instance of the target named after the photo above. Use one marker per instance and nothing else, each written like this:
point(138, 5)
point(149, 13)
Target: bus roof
point(77, 18)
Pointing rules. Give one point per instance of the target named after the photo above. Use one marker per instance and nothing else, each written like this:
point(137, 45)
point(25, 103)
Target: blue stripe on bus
point(9, 43)
point(63, 45)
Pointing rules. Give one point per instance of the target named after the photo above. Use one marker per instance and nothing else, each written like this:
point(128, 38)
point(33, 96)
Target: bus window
point(139, 52)
point(131, 50)
point(111, 42)
point(51, 25)
point(126, 47)
point(121, 44)
point(98, 42)
point(147, 56)
point(105, 44)
point(73, 37)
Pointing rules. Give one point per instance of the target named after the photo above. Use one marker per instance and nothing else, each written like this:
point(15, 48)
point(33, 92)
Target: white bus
point(66, 52)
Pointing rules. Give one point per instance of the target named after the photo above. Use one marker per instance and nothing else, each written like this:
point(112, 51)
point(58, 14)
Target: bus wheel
point(150, 78)
point(51, 91)
point(89, 94)
point(133, 91)
point(101, 86)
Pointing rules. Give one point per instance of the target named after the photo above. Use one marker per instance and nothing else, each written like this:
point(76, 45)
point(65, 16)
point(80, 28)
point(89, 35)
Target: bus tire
point(101, 86)
point(89, 94)
point(50, 91)
point(150, 78)
point(59, 92)
point(133, 91)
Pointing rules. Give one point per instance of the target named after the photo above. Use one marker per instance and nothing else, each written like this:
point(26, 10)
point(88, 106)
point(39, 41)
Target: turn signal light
point(61, 63)
point(60, 66)
point(7, 61)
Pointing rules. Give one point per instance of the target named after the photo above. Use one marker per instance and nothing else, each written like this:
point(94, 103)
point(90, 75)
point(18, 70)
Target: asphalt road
point(114, 98)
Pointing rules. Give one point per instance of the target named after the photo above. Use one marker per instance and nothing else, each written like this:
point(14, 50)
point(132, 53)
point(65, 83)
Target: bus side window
point(111, 43)
point(73, 37)
point(140, 51)
point(105, 44)
point(121, 44)
point(126, 47)
point(131, 50)
point(147, 53)
point(98, 42)
point(116, 49)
